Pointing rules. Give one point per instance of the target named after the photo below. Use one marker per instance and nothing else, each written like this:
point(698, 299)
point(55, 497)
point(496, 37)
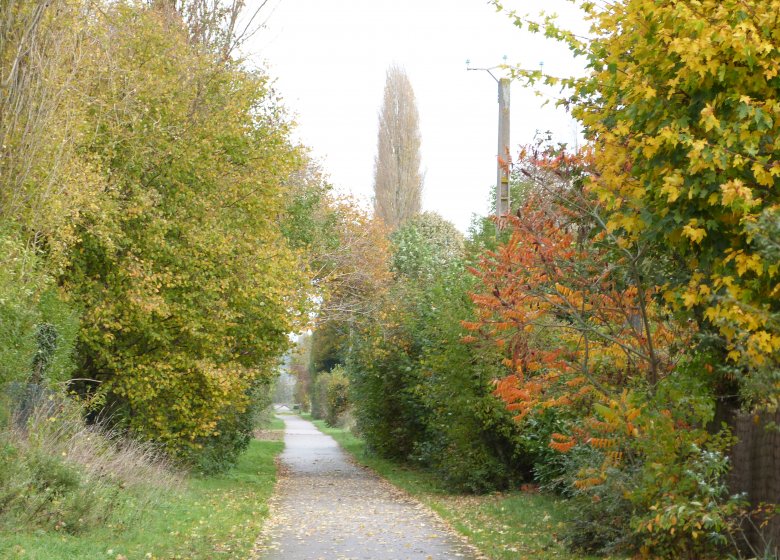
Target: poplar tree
point(397, 178)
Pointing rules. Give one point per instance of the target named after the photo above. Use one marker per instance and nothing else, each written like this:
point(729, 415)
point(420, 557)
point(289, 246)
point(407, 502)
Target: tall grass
point(56, 472)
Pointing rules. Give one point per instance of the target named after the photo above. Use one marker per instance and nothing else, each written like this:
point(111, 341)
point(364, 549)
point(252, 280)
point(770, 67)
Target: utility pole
point(502, 160)
point(502, 157)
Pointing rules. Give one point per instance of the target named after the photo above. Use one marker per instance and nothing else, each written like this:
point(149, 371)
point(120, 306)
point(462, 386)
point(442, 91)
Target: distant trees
point(397, 178)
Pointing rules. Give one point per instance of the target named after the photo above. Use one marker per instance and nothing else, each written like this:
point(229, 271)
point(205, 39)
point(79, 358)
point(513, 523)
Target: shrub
point(423, 397)
point(58, 473)
point(549, 466)
point(336, 395)
point(318, 397)
point(330, 398)
point(645, 481)
point(220, 451)
point(37, 329)
point(602, 523)
point(261, 408)
point(683, 508)
point(389, 413)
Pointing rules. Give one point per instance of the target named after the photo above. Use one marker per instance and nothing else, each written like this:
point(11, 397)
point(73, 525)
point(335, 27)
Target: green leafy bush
point(549, 466)
point(330, 398)
point(337, 396)
point(37, 329)
point(651, 481)
point(421, 396)
point(390, 414)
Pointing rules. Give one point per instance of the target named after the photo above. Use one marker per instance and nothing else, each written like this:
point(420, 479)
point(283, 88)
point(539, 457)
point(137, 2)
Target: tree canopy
point(681, 105)
point(147, 170)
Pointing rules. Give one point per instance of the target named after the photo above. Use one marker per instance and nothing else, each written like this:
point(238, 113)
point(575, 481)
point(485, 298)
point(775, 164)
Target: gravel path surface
point(326, 508)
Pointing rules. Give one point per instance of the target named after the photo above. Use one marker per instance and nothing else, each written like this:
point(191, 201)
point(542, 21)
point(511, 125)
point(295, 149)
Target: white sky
point(329, 58)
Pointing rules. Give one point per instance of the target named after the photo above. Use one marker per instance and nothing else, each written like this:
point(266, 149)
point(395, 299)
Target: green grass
point(213, 517)
point(504, 526)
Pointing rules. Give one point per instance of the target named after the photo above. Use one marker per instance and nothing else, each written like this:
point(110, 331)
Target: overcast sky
point(329, 58)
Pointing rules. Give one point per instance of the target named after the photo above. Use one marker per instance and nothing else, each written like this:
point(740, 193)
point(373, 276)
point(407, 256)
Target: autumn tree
point(575, 312)
point(187, 286)
point(350, 262)
point(589, 342)
point(397, 178)
point(343, 246)
point(346, 252)
point(43, 184)
point(141, 172)
point(695, 107)
point(681, 104)
point(221, 26)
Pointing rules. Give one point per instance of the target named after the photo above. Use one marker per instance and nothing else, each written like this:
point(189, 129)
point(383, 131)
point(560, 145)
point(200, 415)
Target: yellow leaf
point(708, 118)
point(695, 234)
point(671, 188)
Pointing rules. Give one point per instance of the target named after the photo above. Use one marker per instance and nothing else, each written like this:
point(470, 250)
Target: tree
point(589, 342)
point(681, 103)
point(425, 245)
point(141, 176)
point(44, 183)
point(186, 284)
point(397, 178)
point(345, 247)
point(698, 125)
point(573, 310)
point(350, 260)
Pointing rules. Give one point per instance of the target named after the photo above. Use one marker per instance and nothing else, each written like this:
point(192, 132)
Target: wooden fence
point(756, 470)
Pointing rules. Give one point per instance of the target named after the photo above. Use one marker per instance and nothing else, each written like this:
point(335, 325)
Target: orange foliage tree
point(585, 330)
point(574, 310)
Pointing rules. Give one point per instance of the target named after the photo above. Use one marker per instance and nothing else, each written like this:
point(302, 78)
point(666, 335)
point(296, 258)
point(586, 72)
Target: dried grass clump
point(58, 472)
point(57, 426)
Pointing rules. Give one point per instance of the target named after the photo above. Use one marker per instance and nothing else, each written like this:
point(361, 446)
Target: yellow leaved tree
point(681, 101)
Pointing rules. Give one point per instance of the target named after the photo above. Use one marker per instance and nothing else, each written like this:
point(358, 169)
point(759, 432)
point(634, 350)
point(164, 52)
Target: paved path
point(326, 508)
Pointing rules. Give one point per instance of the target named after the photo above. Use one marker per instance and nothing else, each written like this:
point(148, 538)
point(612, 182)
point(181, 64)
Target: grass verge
point(212, 517)
point(504, 526)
